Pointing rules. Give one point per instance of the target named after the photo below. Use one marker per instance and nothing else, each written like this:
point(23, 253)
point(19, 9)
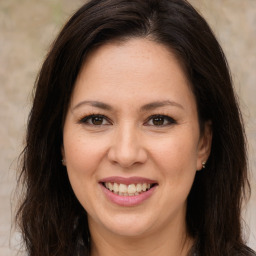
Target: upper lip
point(127, 180)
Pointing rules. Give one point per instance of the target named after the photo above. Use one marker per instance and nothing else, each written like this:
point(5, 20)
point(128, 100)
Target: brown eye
point(160, 120)
point(96, 120)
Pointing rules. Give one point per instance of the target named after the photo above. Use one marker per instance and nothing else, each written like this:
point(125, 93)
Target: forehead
point(136, 67)
point(133, 50)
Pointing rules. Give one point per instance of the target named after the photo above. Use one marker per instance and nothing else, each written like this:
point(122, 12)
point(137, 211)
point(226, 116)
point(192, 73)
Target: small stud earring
point(63, 161)
point(203, 164)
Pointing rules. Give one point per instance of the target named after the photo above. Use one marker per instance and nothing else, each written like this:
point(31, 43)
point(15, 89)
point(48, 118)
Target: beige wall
point(26, 30)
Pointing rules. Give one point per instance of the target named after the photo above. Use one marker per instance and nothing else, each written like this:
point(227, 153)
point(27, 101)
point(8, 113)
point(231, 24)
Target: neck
point(172, 240)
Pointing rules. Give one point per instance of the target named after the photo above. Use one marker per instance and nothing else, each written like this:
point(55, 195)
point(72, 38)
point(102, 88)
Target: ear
point(204, 145)
point(63, 155)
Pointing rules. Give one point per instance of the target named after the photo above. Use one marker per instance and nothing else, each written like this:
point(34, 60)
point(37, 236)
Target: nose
point(127, 148)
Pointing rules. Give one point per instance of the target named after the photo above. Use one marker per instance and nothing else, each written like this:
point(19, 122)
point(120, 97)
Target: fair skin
point(133, 120)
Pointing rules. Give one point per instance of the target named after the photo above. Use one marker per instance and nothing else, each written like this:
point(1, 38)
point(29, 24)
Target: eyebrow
point(158, 104)
point(96, 104)
point(147, 107)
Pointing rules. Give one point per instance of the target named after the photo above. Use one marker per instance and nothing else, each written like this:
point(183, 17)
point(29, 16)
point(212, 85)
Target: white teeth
point(115, 188)
point(110, 186)
point(131, 189)
point(123, 188)
point(139, 188)
point(127, 190)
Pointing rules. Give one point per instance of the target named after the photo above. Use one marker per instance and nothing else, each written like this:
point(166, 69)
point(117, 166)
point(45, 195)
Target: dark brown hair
point(51, 219)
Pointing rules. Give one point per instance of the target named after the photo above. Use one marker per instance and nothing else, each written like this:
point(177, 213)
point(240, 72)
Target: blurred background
point(27, 28)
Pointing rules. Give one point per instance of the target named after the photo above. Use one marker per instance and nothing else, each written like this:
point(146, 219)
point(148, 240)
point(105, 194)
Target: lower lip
point(128, 200)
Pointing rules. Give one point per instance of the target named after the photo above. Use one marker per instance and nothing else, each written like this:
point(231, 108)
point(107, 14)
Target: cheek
point(82, 154)
point(175, 155)
point(176, 159)
point(82, 161)
point(176, 162)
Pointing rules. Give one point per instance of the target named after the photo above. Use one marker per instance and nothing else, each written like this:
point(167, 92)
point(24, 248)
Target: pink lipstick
point(130, 191)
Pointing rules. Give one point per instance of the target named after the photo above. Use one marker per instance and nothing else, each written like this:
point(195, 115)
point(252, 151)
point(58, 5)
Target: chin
point(130, 231)
point(128, 225)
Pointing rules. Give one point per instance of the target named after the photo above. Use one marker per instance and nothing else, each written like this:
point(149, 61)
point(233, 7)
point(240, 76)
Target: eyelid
point(84, 119)
point(170, 120)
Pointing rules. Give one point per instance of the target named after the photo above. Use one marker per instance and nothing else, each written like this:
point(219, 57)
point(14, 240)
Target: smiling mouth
point(128, 190)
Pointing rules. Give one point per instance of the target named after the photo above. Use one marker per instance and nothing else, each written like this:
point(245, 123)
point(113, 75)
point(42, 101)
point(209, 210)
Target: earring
point(63, 161)
point(203, 164)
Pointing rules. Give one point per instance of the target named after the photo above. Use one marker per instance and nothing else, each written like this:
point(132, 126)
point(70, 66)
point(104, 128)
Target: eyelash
point(87, 120)
point(169, 120)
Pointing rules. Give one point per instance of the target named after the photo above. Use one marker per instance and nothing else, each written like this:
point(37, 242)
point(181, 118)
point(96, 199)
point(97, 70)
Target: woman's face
point(131, 139)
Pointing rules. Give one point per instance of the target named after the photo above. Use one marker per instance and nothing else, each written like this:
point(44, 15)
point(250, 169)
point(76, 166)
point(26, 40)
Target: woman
point(135, 143)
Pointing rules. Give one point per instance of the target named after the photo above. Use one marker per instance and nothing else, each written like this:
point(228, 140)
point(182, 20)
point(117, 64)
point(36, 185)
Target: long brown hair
point(51, 219)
